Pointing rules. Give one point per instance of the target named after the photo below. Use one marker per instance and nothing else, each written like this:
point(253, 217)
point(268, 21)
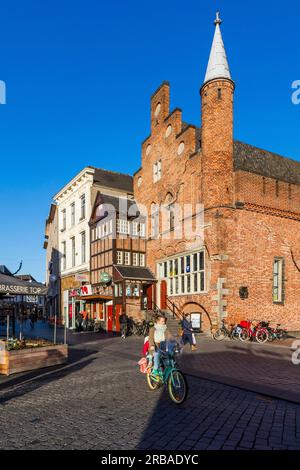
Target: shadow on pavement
point(251, 367)
point(20, 384)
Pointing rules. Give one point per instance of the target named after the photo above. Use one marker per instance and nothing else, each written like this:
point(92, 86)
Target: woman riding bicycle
point(158, 334)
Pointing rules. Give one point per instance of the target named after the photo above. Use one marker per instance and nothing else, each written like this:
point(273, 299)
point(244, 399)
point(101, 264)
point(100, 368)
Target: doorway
point(110, 318)
point(163, 295)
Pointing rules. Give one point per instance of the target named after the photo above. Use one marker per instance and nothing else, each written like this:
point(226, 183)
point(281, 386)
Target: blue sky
point(79, 76)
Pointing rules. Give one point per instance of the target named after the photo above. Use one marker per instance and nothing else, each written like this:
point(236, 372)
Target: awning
point(94, 297)
point(135, 273)
point(15, 286)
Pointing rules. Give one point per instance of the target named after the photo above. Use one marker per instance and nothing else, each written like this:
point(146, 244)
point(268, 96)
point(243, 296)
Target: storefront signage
point(74, 292)
point(86, 290)
point(31, 299)
point(105, 278)
point(82, 277)
point(22, 290)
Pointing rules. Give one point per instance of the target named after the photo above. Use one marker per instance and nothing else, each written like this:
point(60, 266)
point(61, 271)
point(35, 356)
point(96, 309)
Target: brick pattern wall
point(217, 142)
point(266, 192)
point(254, 243)
point(240, 244)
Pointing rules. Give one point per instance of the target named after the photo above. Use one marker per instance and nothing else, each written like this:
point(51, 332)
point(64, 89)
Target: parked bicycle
point(169, 374)
point(224, 332)
point(277, 333)
point(255, 332)
point(140, 328)
point(251, 330)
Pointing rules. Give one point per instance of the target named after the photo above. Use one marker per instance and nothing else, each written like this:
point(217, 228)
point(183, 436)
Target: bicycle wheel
point(261, 336)
point(153, 385)
point(271, 336)
point(282, 334)
point(244, 335)
point(219, 334)
point(177, 387)
point(234, 334)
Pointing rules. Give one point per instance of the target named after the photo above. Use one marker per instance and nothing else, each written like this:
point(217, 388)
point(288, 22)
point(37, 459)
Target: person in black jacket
point(123, 324)
point(188, 333)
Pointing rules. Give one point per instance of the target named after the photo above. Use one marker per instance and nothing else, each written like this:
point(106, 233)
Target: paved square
point(101, 401)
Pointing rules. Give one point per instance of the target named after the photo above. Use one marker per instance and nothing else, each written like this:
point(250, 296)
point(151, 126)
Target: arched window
point(154, 218)
point(169, 202)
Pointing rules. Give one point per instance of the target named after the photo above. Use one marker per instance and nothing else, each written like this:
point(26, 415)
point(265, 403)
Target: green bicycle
point(169, 376)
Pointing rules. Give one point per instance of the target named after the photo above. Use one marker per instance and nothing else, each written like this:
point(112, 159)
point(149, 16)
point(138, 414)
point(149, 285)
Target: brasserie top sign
point(21, 290)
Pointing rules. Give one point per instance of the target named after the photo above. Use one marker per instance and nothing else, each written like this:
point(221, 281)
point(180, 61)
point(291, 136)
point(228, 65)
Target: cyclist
point(158, 334)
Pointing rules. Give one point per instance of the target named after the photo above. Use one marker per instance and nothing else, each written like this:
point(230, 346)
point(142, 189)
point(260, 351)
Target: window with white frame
point(104, 229)
point(184, 274)
point(73, 248)
point(98, 231)
point(119, 257)
point(135, 259)
point(154, 215)
point(123, 226)
point(278, 280)
point(127, 258)
point(73, 214)
point(82, 207)
point(142, 230)
point(135, 228)
point(63, 219)
point(142, 259)
point(83, 247)
point(63, 256)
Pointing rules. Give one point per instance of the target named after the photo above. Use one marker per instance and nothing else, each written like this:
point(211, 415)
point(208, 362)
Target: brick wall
point(240, 244)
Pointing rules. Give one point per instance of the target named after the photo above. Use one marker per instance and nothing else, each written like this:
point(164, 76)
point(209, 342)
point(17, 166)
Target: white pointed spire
point(217, 64)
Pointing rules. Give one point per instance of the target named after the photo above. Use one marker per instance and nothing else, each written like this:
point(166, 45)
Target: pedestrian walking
point(123, 324)
point(188, 336)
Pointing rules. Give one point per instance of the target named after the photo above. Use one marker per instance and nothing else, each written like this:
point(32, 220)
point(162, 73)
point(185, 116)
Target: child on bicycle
point(158, 334)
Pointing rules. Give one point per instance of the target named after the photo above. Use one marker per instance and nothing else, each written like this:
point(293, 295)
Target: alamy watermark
point(2, 92)
point(296, 93)
point(296, 354)
point(160, 221)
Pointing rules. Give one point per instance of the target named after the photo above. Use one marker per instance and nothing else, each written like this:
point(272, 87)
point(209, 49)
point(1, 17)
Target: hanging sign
point(105, 278)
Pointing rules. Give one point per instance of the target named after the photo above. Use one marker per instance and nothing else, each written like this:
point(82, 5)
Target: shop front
point(134, 291)
point(98, 310)
point(72, 288)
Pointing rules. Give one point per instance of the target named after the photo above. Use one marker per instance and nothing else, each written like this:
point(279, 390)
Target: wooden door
point(163, 295)
point(118, 310)
point(109, 318)
point(150, 297)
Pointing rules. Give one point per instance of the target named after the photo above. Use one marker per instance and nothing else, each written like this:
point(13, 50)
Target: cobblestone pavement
point(264, 368)
point(101, 401)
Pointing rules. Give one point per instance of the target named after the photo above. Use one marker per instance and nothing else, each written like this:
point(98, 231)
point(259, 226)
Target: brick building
point(247, 263)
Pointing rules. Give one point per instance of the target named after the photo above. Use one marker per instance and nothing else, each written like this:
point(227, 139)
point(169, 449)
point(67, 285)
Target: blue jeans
point(156, 359)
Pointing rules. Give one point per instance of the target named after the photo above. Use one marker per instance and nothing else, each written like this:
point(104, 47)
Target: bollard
point(55, 321)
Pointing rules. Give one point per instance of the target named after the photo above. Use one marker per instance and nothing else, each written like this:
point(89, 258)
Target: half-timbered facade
point(119, 276)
